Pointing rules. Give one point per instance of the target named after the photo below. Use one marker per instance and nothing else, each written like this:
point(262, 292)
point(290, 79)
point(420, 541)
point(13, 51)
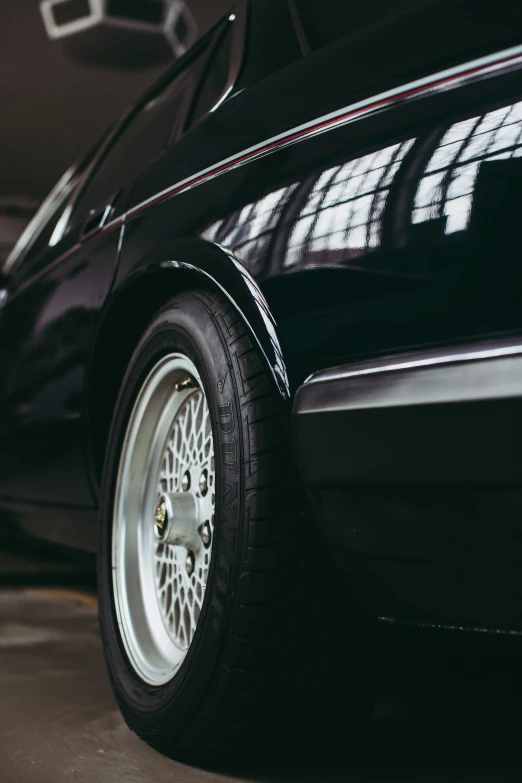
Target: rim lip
point(150, 649)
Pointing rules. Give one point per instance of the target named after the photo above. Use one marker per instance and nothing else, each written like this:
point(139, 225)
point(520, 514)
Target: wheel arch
point(132, 305)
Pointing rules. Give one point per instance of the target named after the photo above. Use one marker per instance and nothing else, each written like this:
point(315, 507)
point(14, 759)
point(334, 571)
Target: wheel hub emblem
point(160, 518)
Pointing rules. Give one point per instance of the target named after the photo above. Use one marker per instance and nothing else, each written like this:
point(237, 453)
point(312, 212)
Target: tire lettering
point(226, 418)
point(229, 451)
point(229, 493)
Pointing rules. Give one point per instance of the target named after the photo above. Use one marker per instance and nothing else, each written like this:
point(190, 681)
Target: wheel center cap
point(177, 519)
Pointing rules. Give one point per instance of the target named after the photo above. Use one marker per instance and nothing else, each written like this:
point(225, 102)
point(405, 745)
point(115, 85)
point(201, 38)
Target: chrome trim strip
point(438, 385)
point(389, 365)
point(447, 79)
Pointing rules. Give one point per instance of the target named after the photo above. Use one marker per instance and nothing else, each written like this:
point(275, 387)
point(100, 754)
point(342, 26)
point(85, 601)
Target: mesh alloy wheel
point(164, 519)
point(204, 572)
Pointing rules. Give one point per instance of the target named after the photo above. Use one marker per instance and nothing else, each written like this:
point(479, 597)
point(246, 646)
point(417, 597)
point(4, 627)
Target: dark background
point(53, 108)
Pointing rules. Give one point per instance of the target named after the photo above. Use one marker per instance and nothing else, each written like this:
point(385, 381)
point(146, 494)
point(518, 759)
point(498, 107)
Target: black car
point(260, 495)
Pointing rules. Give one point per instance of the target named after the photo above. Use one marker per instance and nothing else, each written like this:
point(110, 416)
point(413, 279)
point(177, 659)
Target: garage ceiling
point(52, 109)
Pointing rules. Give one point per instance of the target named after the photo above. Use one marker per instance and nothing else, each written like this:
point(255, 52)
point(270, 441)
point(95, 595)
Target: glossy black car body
point(365, 198)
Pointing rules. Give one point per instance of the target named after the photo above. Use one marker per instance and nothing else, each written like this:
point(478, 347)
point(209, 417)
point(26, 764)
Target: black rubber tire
point(273, 656)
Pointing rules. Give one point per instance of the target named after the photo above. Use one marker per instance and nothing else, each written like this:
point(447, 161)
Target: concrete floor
point(448, 710)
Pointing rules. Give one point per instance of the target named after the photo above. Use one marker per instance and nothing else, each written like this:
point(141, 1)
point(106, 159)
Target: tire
point(273, 655)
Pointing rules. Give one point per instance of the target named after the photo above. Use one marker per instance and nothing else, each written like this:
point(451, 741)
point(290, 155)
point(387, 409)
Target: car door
point(56, 290)
point(44, 329)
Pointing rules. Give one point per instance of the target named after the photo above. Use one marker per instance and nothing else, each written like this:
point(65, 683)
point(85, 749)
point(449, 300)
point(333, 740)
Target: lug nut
point(185, 482)
point(206, 535)
point(203, 483)
point(189, 563)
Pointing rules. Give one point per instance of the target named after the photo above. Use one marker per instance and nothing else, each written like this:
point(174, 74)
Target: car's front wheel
point(218, 609)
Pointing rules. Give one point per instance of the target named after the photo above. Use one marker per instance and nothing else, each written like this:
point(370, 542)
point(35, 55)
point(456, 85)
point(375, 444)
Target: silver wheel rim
point(163, 520)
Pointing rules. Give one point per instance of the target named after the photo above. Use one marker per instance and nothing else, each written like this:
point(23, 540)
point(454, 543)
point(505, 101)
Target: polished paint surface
point(365, 207)
point(362, 248)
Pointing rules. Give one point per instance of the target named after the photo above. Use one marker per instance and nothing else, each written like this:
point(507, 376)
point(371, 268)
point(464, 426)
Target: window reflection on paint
point(446, 189)
point(338, 215)
point(342, 216)
point(250, 230)
point(335, 217)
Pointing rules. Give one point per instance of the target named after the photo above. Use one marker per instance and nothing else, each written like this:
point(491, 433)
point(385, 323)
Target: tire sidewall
point(187, 325)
